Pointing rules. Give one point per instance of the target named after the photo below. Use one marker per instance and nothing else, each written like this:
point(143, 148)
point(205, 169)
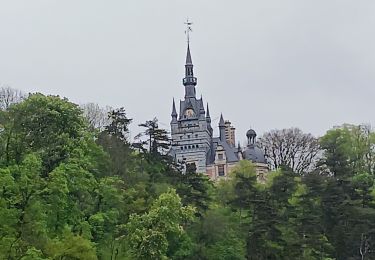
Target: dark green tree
point(157, 138)
point(47, 125)
point(114, 140)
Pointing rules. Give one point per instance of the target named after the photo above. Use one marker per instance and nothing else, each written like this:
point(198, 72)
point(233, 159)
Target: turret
point(222, 128)
point(208, 120)
point(174, 113)
point(251, 137)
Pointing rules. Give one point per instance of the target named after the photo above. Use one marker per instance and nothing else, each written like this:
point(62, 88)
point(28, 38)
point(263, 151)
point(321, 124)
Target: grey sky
point(266, 64)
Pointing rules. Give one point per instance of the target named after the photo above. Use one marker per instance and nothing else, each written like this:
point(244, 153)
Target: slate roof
point(195, 104)
point(254, 154)
point(188, 56)
point(230, 152)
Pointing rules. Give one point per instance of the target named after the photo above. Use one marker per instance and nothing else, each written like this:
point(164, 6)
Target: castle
point(193, 140)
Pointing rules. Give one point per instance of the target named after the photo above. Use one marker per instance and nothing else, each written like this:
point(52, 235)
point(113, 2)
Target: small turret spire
point(174, 112)
point(222, 128)
point(221, 123)
point(201, 108)
point(208, 117)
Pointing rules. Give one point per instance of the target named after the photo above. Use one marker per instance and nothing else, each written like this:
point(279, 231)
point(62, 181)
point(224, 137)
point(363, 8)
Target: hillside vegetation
point(74, 187)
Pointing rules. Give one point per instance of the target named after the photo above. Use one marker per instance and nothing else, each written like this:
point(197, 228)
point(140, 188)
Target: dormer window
point(220, 156)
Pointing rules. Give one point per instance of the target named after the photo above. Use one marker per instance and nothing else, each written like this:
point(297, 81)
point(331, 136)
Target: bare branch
point(10, 96)
point(290, 147)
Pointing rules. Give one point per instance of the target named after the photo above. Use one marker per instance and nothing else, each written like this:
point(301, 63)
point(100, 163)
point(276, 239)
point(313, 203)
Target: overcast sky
point(268, 64)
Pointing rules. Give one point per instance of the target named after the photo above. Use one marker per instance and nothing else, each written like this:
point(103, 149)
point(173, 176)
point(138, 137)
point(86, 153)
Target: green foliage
point(70, 246)
point(228, 248)
point(346, 200)
point(47, 125)
point(69, 192)
point(151, 233)
point(157, 138)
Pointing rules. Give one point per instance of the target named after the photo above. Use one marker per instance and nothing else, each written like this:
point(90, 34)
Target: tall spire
point(189, 80)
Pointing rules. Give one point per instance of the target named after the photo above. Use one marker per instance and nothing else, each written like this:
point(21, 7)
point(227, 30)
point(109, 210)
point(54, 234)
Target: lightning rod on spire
point(188, 29)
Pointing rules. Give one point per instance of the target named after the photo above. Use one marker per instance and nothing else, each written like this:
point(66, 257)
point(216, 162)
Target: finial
point(188, 29)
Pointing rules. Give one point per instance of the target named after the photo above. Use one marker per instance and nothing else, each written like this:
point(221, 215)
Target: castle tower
point(191, 128)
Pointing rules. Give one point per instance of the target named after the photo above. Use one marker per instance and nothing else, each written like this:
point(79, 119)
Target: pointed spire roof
point(188, 56)
point(201, 106)
point(208, 112)
point(221, 123)
point(189, 80)
point(174, 112)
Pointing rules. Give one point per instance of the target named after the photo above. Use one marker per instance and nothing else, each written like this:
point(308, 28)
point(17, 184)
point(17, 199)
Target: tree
point(70, 246)
point(48, 125)
point(157, 139)
point(22, 209)
point(244, 183)
point(114, 140)
point(348, 211)
point(290, 147)
point(220, 235)
point(118, 124)
point(10, 96)
point(349, 149)
point(230, 247)
point(194, 188)
point(96, 116)
point(309, 237)
point(151, 234)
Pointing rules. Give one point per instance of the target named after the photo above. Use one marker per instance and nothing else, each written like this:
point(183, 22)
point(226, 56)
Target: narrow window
point(221, 170)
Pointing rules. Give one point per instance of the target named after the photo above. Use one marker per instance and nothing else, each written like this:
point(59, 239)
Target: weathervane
point(188, 29)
